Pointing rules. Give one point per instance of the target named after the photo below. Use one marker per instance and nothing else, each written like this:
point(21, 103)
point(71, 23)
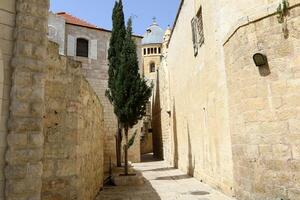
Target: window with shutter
point(82, 47)
point(197, 31)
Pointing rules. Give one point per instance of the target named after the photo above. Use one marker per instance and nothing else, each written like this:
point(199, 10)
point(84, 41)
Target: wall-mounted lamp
point(260, 59)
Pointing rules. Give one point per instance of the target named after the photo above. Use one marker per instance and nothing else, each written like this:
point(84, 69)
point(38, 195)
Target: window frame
point(198, 31)
point(79, 51)
point(152, 67)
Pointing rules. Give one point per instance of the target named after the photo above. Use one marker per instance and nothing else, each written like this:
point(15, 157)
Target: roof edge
point(100, 29)
point(176, 19)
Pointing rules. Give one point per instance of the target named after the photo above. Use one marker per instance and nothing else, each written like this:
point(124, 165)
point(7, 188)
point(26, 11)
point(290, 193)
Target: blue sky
point(99, 12)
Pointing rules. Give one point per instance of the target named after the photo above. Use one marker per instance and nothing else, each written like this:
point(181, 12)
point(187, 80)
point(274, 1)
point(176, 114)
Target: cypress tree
point(132, 91)
point(114, 57)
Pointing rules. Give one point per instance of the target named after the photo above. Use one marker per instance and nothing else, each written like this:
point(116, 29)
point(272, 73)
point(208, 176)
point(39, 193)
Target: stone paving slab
point(163, 183)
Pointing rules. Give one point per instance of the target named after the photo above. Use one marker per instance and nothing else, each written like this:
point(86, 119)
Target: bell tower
point(152, 50)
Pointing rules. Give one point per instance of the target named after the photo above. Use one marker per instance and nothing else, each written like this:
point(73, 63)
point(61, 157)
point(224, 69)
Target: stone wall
point(7, 23)
point(146, 143)
point(96, 72)
point(56, 31)
point(134, 153)
point(265, 108)
point(25, 139)
point(162, 116)
point(73, 130)
point(198, 100)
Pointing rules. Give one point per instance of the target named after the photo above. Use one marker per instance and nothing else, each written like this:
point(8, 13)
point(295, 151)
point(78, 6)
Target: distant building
point(89, 44)
point(152, 44)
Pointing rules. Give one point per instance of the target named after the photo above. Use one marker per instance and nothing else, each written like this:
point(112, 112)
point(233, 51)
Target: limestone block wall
point(134, 153)
point(199, 101)
point(25, 139)
point(264, 106)
point(7, 24)
point(146, 144)
point(96, 72)
point(162, 116)
point(73, 130)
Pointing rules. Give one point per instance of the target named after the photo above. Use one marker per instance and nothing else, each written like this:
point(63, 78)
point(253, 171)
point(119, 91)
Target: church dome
point(154, 34)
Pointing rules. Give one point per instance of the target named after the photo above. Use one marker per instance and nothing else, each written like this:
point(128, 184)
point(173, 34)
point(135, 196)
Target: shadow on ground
point(178, 177)
point(138, 192)
point(149, 158)
point(144, 192)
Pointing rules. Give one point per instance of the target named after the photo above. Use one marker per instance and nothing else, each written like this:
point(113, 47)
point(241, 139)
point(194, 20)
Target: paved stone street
point(163, 183)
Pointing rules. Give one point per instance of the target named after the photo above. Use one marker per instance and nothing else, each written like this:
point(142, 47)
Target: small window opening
point(152, 67)
point(145, 52)
point(159, 50)
point(197, 30)
point(82, 48)
point(155, 50)
point(148, 50)
point(151, 50)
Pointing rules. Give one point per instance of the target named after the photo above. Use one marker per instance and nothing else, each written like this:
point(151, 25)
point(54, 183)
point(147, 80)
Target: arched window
point(159, 50)
point(148, 50)
point(82, 48)
point(152, 67)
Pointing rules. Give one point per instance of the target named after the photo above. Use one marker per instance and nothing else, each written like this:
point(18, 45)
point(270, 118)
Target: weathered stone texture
point(264, 109)
point(199, 123)
point(146, 144)
point(96, 72)
point(24, 153)
point(163, 142)
point(7, 23)
point(74, 136)
point(134, 153)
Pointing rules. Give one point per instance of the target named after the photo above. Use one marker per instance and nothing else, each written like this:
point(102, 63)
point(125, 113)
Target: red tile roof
point(75, 21)
point(70, 19)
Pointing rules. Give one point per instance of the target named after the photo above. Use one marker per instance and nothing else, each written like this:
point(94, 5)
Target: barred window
point(197, 30)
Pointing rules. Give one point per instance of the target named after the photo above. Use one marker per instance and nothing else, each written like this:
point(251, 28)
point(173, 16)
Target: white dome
point(154, 34)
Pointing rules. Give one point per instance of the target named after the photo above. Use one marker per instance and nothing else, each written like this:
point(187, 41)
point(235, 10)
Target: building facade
point(89, 45)
point(152, 54)
point(54, 126)
point(232, 124)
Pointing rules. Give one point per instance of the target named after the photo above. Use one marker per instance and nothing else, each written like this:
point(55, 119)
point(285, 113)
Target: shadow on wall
point(156, 123)
point(191, 159)
point(264, 70)
point(175, 137)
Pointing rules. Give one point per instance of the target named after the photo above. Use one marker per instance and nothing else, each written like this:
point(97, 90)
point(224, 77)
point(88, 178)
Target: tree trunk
point(119, 145)
point(126, 151)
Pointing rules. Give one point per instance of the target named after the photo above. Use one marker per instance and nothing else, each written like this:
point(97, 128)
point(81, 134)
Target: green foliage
point(115, 48)
point(131, 141)
point(282, 10)
point(132, 90)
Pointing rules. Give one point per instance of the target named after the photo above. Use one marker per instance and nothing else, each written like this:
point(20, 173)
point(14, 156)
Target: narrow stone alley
point(162, 183)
